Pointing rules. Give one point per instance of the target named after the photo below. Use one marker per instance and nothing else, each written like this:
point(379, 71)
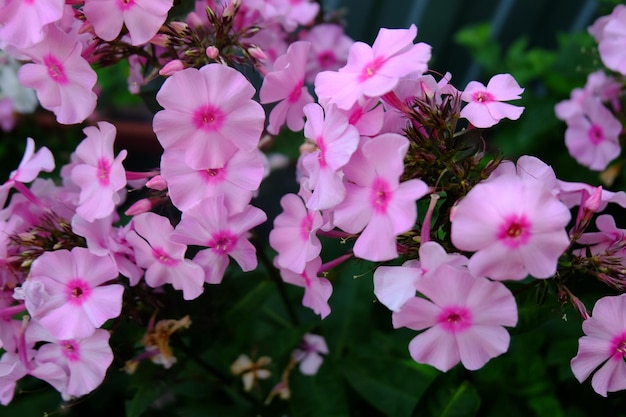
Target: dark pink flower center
point(326, 59)
point(305, 227)
point(163, 257)
point(208, 118)
point(595, 134)
point(223, 242)
point(380, 195)
point(455, 319)
point(124, 5)
point(482, 97)
point(514, 231)
point(213, 175)
point(618, 347)
point(295, 94)
point(371, 69)
point(70, 350)
point(77, 291)
point(56, 71)
point(104, 169)
point(322, 147)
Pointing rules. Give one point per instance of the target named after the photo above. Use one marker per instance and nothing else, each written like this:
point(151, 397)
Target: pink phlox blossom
point(11, 370)
point(294, 13)
point(142, 18)
point(236, 179)
point(30, 166)
point(271, 40)
point(394, 285)
point(608, 237)
point(285, 84)
point(224, 235)
point(599, 85)
point(602, 351)
point(463, 318)
point(614, 35)
point(335, 140)
point(105, 240)
point(217, 117)
point(367, 117)
point(309, 353)
point(329, 49)
point(317, 290)
point(294, 234)
point(515, 227)
point(24, 23)
point(376, 70)
point(67, 295)
point(376, 203)
point(596, 29)
point(162, 257)
point(593, 137)
point(99, 174)
point(62, 78)
point(485, 105)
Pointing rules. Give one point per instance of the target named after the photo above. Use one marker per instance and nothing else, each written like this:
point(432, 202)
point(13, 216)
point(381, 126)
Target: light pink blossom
point(23, 23)
point(317, 290)
point(309, 353)
point(613, 36)
point(485, 107)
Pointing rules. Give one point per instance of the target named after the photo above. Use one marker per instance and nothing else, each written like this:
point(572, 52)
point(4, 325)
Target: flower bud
point(171, 67)
point(212, 52)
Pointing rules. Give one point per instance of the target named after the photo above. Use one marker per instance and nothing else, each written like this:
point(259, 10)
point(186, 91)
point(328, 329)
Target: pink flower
point(317, 290)
point(143, 18)
point(293, 235)
point(217, 116)
point(308, 353)
point(592, 138)
point(97, 173)
point(613, 36)
point(464, 317)
point(485, 107)
point(62, 78)
point(329, 49)
point(515, 226)
point(374, 71)
point(71, 301)
point(376, 202)
point(603, 348)
point(23, 23)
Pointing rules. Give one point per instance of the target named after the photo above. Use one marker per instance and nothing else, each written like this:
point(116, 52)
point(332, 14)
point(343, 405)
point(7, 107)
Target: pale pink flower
point(376, 203)
point(217, 116)
point(62, 78)
point(485, 107)
point(309, 353)
point(603, 348)
point(317, 290)
point(142, 18)
point(374, 71)
point(515, 226)
point(608, 236)
point(23, 23)
point(293, 235)
point(329, 49)
point(98, 173)
point(592, 138)
point(613, 36)
point(285, 84)
point(72, 302)
point(225, 235)
point(163, 258)
point(464, 317)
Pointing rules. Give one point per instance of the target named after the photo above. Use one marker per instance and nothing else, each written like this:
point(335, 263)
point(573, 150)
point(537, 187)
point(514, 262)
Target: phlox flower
point(309, 353)
point(374, 71)
point(97, 173)
point(329, 49)
point(286, 85)
point(66, 296)
point(23, 23)
point(217, 116)
point(463, 316)
point(614, 35)
point(142, 18)
point(592, 138)
point(376, 203)
point(485, 107)
point(293, 235)
point(209, 224)
point(62, 78)
point(317, 290)
point(608, 236)
point(515, 226)
point(602, 351)
point(163, 258)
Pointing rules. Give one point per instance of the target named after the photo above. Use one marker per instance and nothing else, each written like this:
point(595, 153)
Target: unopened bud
point(141, 206)
point(231, 8)
point(160, 40)
point(212, 52)
point(157, 183)
point(194, 20)
point(179, 28)
point(171, 67)
point(86, 27)
point(256, 52)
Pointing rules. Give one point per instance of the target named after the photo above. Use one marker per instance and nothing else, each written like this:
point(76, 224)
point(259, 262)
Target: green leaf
point(145, 395)
point(323, 394)
point(460, 400)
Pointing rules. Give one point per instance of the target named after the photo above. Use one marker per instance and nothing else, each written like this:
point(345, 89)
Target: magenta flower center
point(223, 242)
point(455, 319)
point(380, 195)
point(163, 257)
point(595, 134)
point(77, 291)
point(514, 231)
point(322, 147)
point(305, 227)
point(326, 59)
point(618, 347)
point(208, 118)
point(124, 5)
point(55, 69)
point(70, 350)
point(295, 94)
point(371, 69)
point(483, 97)
point(213, 175)
point(104, 169)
